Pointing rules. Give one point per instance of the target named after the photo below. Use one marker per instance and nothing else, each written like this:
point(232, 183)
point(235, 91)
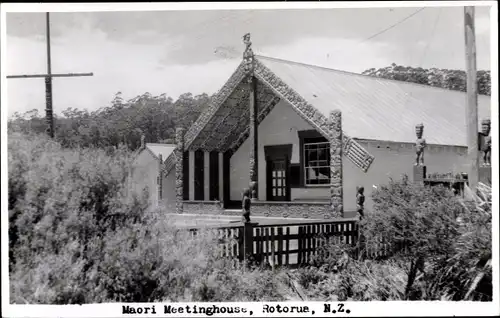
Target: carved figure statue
point(360, 201)
point(245, 204)
point(420, 144)
point(248, 53)
point(253, 190)
point(485, 141)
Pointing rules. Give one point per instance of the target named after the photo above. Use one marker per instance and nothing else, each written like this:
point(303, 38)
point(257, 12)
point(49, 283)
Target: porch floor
point(186, 219)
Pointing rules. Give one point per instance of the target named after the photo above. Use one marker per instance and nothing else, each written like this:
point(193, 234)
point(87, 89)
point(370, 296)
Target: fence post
point(248, 240)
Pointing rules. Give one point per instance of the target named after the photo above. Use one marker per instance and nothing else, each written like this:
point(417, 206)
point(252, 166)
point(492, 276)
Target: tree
point(444, 78)
point(121, 122)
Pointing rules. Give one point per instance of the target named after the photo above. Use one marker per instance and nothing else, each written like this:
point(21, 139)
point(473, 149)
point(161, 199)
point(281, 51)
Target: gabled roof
point(165, 150)
point(381, 109)
point(224, 122)
point(372, 108)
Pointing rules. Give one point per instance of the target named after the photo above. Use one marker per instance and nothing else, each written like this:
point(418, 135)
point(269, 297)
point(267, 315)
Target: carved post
point(248, 58)
point(160, 179)
point(485, 148)
point(419, 169)
point(360, 201)
point(336, 184)
point(485, 142)
point(179, 170)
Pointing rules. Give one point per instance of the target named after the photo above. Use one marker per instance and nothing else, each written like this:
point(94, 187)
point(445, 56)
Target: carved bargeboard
point(352, 150)
point(216, 102)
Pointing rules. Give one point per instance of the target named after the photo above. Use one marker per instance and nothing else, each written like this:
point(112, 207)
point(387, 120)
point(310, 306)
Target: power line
point(380, 32)
point(391, 26)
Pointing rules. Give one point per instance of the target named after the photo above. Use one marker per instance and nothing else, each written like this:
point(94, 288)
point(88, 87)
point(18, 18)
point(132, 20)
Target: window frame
point(304, 136)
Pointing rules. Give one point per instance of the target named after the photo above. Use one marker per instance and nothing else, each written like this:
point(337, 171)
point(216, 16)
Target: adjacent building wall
point(392, 160)
point(145, 173)
point(168, 192)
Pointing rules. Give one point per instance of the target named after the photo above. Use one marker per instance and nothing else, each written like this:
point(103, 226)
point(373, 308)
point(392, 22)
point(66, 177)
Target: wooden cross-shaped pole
point(472, 112)
point(48, 83)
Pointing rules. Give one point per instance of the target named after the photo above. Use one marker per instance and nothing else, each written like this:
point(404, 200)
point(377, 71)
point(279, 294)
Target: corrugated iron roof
point(164, 149)
point(381, 109)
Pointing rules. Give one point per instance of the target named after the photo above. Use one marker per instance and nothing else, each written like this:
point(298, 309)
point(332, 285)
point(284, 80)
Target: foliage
point(443, 78)
point(80, 234)
point(122, 122)
point(419, 243)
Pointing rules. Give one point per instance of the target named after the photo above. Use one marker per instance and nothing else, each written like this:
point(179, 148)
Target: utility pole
point(471, 109)
point(48, 83)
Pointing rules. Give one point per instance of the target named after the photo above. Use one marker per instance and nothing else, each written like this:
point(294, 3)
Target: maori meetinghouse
point(310, 142)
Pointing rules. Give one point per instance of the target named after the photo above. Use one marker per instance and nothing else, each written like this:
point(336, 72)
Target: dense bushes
point(439, 247)
point(79, 234)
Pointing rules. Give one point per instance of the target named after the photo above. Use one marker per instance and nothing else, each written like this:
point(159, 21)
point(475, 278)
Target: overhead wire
point(371, 37)
point(392, 26)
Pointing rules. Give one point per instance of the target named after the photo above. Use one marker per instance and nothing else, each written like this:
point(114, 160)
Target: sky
point(176, 52)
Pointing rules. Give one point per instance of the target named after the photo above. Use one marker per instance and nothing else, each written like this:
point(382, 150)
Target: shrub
point(79, 233)
point(419, 243)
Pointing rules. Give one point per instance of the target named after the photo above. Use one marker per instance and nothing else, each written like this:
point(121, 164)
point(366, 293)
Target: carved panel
point(169, 163)
point(217, 100)
point(336, 196)
point(259, 209)
point(265, 97)
point(217, 127)
point(192, 208)
point(317, 211)
point(179, 170)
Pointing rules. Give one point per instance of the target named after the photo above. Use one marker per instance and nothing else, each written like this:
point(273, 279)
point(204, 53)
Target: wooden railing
point(281, 244)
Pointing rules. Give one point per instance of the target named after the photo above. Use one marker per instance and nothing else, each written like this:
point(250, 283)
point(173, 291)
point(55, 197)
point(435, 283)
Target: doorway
point(278, 172)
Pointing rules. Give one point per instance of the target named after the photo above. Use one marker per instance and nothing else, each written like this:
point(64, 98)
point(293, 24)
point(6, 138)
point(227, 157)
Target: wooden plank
point(280, 246)
point(240, 244)
point(313, 238)
point(299, 245)
point(268, 243)
point(273, 245)
point(258, 245)
point(287, 255)
point(234, 243)
point(308, 243)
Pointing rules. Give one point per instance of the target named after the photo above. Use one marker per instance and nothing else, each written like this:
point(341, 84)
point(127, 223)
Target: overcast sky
point(196, 51)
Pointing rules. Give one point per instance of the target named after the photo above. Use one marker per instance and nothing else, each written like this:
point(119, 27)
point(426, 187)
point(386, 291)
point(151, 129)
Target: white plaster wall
point(168, 191)
point(145, 174)
point(279, 127)
point(391, 160)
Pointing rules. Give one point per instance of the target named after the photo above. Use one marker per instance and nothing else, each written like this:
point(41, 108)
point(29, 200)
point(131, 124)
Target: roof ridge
point(362, 75)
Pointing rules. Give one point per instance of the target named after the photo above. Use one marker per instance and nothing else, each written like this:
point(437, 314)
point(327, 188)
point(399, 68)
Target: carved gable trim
point(217, 101)
point(354, 151)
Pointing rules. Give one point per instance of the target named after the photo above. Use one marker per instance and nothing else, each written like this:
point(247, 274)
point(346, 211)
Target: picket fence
point(285, 244)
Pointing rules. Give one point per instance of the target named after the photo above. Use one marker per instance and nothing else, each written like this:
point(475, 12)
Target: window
point(316, 161)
